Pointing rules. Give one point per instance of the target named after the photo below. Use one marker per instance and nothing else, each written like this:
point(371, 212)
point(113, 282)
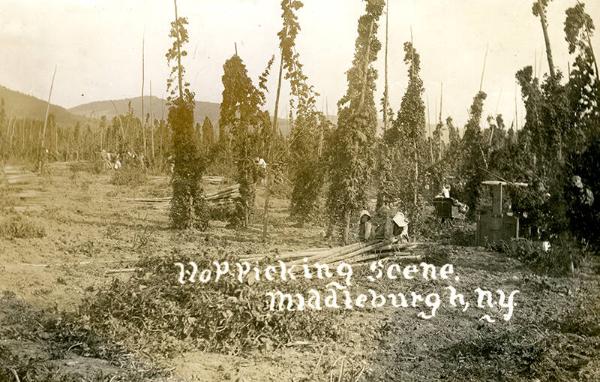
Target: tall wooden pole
point(269, 149)
point(441, 101)
point(385, 89)
point(516, 114)
point(151, 122)
point(42, 154)
point(483, 70)
point(542, 13)
point(101, 128)
point(415, 145)
point(11, 133)
point(56, 141)
point(179, 67)
point(429, 131)
point(440, 120)
point(143, 115)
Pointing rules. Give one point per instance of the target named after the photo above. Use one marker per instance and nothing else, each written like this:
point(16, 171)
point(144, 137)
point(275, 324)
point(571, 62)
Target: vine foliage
point(188, 206)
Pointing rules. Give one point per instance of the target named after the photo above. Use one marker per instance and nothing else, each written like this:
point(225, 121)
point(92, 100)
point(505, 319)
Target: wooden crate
point(493, 229)
point(445, 208)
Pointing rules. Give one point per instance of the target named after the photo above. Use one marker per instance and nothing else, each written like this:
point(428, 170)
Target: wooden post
point(101, 135)
point(440, 154)
point(42, 152)
point(483, 69)
point(151, 123)
point(415, 146)
point(143, 115)
point(11, 133)
point(56, 140)
point(542, 13)
point(269, 149)
point(385, 88)
point(430, 139)
point(179, 67)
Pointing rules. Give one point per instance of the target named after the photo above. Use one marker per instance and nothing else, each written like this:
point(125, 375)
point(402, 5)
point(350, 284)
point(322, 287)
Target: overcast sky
point(97, 46)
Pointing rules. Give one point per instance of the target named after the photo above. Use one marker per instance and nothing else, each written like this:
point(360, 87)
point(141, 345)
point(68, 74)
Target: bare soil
point(92, 227)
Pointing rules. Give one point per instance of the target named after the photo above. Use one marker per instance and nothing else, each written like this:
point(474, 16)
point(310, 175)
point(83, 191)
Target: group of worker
point(115, 161)
point(391, 225)
point(385, 225)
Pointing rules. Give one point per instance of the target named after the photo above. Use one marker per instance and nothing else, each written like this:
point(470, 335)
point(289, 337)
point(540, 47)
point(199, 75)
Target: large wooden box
point(445, 208)
point(493, 229)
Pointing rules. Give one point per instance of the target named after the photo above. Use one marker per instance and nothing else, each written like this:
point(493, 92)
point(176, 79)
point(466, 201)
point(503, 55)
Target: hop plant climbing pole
point(351, 159)
point(188, 207)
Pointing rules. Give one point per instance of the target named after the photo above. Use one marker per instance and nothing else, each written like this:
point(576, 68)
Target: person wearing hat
point(390, 227)
point(365, 226)
point(400, 227)
point(383, 223)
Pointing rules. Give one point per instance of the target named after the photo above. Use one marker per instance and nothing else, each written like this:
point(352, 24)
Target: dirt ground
point(91, 227)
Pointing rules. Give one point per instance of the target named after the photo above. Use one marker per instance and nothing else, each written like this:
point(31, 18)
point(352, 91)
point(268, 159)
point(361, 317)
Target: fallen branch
point(15, 374)
point(364, 262)
point(122, 270)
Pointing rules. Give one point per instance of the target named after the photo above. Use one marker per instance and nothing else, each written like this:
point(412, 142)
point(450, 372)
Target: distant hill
point(112, 108)
point(20, 105)
point(25, 106)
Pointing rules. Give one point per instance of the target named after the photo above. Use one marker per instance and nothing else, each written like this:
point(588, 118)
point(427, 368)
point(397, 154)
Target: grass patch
point(560, 260)
point(451, 232)
point(37, 344)
point(93, 167)
point(132, 176)
point(20, 227)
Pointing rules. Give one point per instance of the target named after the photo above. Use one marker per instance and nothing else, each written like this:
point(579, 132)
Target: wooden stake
point(441, 100)
point(151, 122)
point(543, 21)
point(385, 89)
point(516, 114)
point(415, 146)
point(440, 148)
point(483, 70)
point(143, 115)
point(43, 137)
point(269, 149)
point(179, 67)
point(122, 270)
point(429, 130)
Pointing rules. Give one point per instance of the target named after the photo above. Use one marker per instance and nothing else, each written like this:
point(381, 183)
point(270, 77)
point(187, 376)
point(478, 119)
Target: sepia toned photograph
point(299, 190)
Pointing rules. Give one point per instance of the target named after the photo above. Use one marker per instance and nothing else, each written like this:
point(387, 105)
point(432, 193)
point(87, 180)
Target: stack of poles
point(353, 254)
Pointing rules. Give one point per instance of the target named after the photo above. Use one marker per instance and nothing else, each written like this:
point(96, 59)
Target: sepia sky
point(97, 46)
